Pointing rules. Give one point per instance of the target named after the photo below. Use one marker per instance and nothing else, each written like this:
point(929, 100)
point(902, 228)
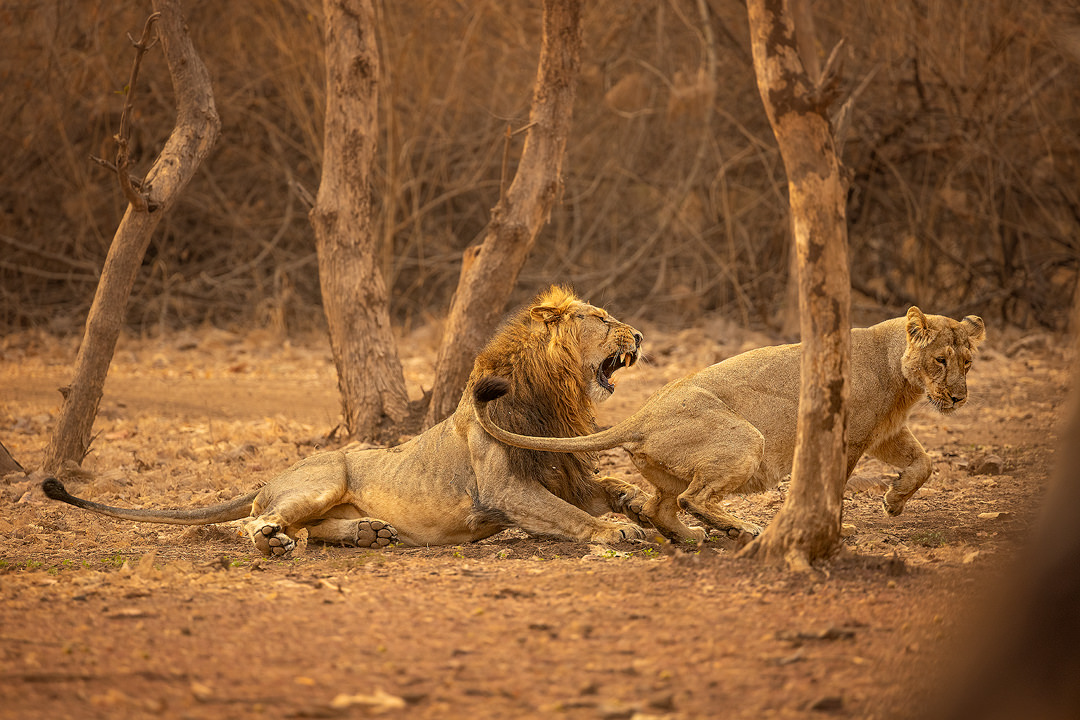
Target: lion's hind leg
point(353, 532)
point(295, 499)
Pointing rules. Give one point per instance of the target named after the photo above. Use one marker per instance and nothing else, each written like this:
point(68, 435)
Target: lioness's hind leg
point(732, 466)
point(662, 510)
point(358, 532)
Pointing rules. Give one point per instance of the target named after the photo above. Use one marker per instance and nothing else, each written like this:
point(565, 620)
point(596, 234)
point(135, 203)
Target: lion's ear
point(549, 313)
point(918, 329)
point(976, 329)
point(554, 304)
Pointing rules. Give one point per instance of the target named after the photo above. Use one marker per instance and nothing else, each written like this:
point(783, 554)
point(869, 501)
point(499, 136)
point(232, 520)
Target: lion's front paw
point(618, 532)
point(626, 498)
point(372, 533)
point(272, 541)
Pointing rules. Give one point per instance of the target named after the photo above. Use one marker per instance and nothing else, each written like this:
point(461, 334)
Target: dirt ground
point(103, 618)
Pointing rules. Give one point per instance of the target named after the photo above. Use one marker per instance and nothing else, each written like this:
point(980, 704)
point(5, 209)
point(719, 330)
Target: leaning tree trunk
point(489, 271)
point(354, 296)
point(807, 527)
point(197, 128)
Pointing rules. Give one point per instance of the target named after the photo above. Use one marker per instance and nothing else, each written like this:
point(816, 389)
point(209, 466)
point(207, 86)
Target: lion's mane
point(538, 350)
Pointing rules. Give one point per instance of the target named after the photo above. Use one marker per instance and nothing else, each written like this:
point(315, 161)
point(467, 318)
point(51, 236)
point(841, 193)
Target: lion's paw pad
point(374, 533)
point(272, 542)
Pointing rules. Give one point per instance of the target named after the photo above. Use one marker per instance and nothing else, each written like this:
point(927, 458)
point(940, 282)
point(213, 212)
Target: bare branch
point(139, 199)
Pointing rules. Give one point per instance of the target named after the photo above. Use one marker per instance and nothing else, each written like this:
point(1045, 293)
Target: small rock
point(987, 465)
point(829, 704)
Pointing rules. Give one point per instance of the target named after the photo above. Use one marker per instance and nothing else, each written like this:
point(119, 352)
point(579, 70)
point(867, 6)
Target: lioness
point(730, 428)
point(454, 483)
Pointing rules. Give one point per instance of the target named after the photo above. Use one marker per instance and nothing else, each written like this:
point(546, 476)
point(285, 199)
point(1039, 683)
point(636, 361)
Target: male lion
point(454, 483)
point(730, 428)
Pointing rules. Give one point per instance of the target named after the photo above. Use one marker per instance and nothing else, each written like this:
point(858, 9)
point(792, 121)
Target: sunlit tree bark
point(807, 527)
point(197, 128)
point(354, 295)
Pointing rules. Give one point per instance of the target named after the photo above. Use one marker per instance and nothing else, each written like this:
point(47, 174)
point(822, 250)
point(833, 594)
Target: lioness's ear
point(918, 329)
point(975, 328)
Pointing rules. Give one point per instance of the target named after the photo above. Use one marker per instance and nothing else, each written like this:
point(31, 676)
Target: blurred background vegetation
point(964, 151)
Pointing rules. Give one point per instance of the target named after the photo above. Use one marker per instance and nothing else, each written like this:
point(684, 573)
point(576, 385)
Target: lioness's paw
point(271, 541)
point(371, 533)
point(893, 504)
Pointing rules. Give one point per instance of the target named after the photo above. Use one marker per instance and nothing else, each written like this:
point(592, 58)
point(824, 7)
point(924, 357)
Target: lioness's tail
point(232, 510)
point(490, 388)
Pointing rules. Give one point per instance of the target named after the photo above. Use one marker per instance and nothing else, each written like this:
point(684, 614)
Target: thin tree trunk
point(197, 128)
point(8, 464)
point(370, 378)
point(490, 270)
point(807, 527)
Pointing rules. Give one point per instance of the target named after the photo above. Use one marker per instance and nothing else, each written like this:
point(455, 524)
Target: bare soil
point(101, 618)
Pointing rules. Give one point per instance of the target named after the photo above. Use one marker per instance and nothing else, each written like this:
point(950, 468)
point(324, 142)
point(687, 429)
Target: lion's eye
point(942, 361)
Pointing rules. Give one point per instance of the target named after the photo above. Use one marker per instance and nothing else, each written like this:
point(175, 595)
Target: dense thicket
point(964, 150)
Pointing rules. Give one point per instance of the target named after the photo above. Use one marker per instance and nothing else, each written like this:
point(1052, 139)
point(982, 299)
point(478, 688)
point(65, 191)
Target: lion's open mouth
point(610, 365)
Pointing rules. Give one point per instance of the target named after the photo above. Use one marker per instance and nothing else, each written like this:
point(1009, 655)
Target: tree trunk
point(355, 301)
point(807, 527)
point(197, 128)
point(490, 270)
point(8, 464)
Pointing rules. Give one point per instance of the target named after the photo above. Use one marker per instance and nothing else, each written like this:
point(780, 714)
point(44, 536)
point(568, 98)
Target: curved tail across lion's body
point(491, 388)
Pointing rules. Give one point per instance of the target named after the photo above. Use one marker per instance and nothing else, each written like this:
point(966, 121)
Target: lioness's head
point(938, 356)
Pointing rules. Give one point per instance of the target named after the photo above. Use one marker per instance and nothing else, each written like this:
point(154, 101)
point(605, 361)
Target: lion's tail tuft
point(490, 387)
point(55, 489)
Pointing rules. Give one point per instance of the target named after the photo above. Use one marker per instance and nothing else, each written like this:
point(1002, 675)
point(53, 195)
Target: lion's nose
point(956, 399)
point(638, 337)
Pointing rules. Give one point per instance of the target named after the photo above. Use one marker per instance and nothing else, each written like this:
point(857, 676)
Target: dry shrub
point(963, 149)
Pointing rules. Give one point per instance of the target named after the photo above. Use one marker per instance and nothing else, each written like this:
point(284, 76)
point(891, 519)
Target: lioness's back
point(762, 385)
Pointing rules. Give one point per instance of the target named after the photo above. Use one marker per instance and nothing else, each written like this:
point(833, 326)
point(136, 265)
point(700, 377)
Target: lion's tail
point(490, 388)
point(232, 510)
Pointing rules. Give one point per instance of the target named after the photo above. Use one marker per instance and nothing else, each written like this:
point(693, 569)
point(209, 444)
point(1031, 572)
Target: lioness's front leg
point(903, 451)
